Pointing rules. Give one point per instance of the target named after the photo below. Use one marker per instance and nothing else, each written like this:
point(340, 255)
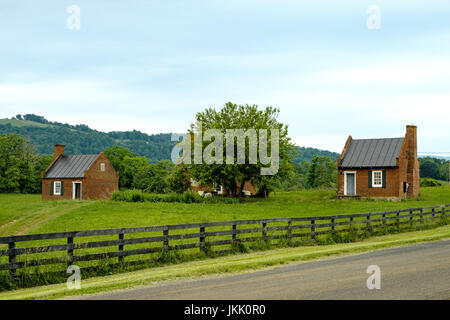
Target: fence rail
point(239, 231)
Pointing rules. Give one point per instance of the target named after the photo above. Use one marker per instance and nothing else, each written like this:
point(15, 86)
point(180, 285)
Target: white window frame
point(54, 188)
point(74, 189)
point(380, 185)
point(102, 167)
point(345, 182)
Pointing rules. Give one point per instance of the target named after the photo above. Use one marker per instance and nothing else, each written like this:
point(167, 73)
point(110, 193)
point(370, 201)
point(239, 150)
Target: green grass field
point(25, 214)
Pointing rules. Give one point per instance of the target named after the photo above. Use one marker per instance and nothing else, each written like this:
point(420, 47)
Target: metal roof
point(72, 166)
point(372, 153)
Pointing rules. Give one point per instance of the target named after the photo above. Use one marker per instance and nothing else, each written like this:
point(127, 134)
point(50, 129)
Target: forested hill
point(80, 139)
point(306, 154)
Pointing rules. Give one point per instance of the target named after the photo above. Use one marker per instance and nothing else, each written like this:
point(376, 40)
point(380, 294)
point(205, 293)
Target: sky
point(334, 68)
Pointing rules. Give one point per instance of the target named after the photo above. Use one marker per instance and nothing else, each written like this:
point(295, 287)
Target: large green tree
point(444, 171)
point(429, 168)
point(116, 156)
point(322, 173)
point(232, 172)
point(20, 166)
point(178, 180)
point(153, 177)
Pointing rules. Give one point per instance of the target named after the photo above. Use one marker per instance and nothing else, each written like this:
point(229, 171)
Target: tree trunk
point(241, 188)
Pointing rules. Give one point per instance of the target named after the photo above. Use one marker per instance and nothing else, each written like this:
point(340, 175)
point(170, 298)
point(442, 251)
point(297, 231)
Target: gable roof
point(372, 153)
point(71, 166)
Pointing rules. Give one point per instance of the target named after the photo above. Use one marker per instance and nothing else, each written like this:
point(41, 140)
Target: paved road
point(419, 271)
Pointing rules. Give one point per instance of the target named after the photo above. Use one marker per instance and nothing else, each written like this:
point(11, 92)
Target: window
point(57, 188)
point(102, 167)
point(377, 179)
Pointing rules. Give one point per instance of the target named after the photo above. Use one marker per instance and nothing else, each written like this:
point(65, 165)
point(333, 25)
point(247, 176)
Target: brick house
point(80, 177)
point(387, 168)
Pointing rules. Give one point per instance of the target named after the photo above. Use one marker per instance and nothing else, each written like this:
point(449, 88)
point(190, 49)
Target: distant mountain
point(80, 139)
point(435, 156)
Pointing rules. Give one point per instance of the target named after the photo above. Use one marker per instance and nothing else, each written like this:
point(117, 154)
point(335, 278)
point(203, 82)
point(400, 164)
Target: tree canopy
point(20, 167)
point(230, 172)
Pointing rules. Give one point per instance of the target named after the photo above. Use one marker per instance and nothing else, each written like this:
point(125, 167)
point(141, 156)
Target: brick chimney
point(411, 138)
point(59, 150)
point(413, 172)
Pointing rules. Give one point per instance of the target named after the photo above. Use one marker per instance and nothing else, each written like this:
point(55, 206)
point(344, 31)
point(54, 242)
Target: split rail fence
point(58, 250)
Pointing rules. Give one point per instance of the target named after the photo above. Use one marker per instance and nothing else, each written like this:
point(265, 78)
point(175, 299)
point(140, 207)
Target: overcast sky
point(151, 65)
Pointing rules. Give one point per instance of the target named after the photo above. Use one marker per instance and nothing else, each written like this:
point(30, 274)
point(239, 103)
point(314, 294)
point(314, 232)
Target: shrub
point(128, 196)
point(430, 182)
point(186, 197)
point(178, 181)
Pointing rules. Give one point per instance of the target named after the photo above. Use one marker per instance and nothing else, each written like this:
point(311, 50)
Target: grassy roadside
point(228, 264)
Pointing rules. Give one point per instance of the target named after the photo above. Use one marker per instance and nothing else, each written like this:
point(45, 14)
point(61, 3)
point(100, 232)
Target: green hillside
point(80, 139)
point(306, 154)
point(23, 123)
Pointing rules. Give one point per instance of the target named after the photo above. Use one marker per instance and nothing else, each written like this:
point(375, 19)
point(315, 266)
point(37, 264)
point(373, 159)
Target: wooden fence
point(205, 235)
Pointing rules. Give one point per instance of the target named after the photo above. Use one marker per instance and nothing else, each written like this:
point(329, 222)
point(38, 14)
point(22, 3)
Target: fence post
point(202, 239)
point(121, 237)
point(398, 219)
point(234, 233)
point(289, 229)
point(411, 218)
point(383, 217)
point(313, 229)
point(368, 223)
point(166, 239)
point(332, 226)
point(421, 216)
point(432, 215)
point(12, 260)
point(70, 251)
point(264, 233)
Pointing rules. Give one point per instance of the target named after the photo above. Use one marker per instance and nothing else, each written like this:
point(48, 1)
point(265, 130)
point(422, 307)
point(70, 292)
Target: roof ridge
point(380, 138)
point(88, 154)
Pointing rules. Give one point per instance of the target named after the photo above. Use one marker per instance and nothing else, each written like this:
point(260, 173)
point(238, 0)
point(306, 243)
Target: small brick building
point(249, 189)
point(387, 168)
point(79, 177)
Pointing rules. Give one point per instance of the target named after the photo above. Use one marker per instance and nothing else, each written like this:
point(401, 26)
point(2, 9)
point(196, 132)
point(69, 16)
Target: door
point(350, 184)
point(77, 190)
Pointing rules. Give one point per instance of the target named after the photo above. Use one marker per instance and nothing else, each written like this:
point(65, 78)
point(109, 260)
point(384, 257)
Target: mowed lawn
point(25, 214)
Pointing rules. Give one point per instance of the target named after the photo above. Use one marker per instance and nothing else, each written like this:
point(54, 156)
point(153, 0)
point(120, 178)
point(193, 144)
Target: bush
point(178, 181)
point(186, 197)
point(430, 182)
point(128, 196)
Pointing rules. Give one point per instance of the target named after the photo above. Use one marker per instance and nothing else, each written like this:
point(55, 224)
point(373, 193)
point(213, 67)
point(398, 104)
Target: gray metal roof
point(372, 153)
point(71, 166)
